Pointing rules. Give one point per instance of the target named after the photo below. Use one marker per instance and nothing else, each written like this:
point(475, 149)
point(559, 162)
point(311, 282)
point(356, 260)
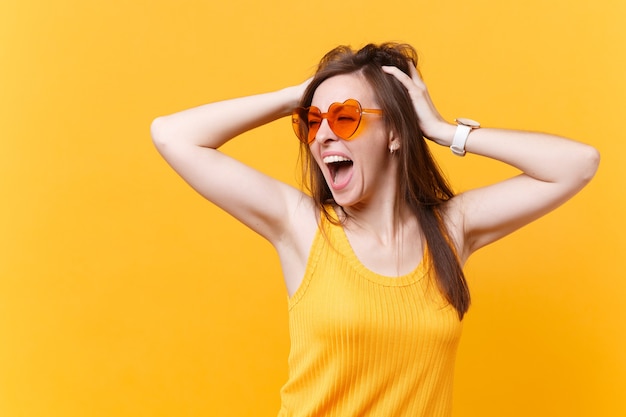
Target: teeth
point(334, 158)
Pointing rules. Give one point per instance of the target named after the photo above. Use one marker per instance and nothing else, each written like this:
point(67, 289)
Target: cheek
point(313, 153)
point(315, 163)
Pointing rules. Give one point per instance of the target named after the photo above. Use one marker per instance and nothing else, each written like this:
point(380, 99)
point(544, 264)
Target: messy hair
point(421, 185)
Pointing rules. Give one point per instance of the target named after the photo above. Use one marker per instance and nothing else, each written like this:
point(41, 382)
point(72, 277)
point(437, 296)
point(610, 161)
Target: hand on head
point(430, 120)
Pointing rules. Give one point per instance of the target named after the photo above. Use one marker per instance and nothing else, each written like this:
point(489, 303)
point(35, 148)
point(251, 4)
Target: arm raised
point(553, 169)
point(189, 142)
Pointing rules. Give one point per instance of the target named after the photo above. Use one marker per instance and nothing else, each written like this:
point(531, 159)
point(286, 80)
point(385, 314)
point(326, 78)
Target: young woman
point(372, 255)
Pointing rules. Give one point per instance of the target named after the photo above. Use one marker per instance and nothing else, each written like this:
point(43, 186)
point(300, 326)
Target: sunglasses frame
point(302, 113)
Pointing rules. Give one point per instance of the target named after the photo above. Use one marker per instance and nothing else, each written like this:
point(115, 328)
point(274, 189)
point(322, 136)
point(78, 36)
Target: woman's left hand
point(433, 126)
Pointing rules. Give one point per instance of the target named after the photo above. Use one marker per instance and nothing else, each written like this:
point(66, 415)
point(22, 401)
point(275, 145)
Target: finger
point(415, 75)
point(411, 83)
point(399, 74)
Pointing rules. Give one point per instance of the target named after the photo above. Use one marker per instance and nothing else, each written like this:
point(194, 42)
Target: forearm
point(542, 156)
point(212, 125)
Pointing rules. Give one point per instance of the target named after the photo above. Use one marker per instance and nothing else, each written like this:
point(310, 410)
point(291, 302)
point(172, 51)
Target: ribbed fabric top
point(364, 344)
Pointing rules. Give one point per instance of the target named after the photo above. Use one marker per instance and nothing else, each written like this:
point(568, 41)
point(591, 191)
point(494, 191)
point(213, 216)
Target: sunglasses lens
point(344, 119)
point(299, 123)
point(314, 120)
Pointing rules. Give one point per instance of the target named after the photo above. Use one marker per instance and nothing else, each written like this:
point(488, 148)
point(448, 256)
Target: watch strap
point(460, 137)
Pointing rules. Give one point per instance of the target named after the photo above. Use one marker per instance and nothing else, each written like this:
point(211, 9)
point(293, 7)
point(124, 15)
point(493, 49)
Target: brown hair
point(421, 185)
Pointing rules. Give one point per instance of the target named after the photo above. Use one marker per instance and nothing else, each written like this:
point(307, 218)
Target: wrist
point(463, 129)
point(443, 134)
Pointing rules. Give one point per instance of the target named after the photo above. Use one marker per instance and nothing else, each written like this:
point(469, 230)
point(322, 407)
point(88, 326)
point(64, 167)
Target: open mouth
point(339, 167)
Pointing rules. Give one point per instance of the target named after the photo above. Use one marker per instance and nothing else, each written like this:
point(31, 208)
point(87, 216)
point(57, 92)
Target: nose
point(325, 133)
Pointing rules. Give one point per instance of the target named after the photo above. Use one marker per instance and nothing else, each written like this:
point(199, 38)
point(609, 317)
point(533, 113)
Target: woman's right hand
point(189, 142)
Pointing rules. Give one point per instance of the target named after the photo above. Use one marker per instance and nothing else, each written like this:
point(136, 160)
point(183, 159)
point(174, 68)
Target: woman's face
point(361, 168)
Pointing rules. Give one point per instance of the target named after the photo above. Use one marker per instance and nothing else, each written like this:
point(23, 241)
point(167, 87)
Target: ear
point(394, 144)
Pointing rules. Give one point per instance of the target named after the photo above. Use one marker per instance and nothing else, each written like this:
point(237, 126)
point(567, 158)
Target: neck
point(385, 238)
point(381, 213)
point(385, 220)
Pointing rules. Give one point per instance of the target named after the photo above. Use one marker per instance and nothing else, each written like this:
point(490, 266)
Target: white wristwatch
point(463, 129)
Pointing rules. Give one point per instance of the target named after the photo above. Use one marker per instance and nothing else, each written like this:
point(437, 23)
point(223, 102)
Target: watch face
point(468, 122)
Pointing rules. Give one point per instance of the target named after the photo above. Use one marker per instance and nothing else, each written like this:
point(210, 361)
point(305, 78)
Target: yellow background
point(123, 293)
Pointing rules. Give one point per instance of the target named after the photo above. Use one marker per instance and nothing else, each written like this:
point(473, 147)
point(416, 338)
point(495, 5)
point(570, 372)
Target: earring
point(393, 147)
